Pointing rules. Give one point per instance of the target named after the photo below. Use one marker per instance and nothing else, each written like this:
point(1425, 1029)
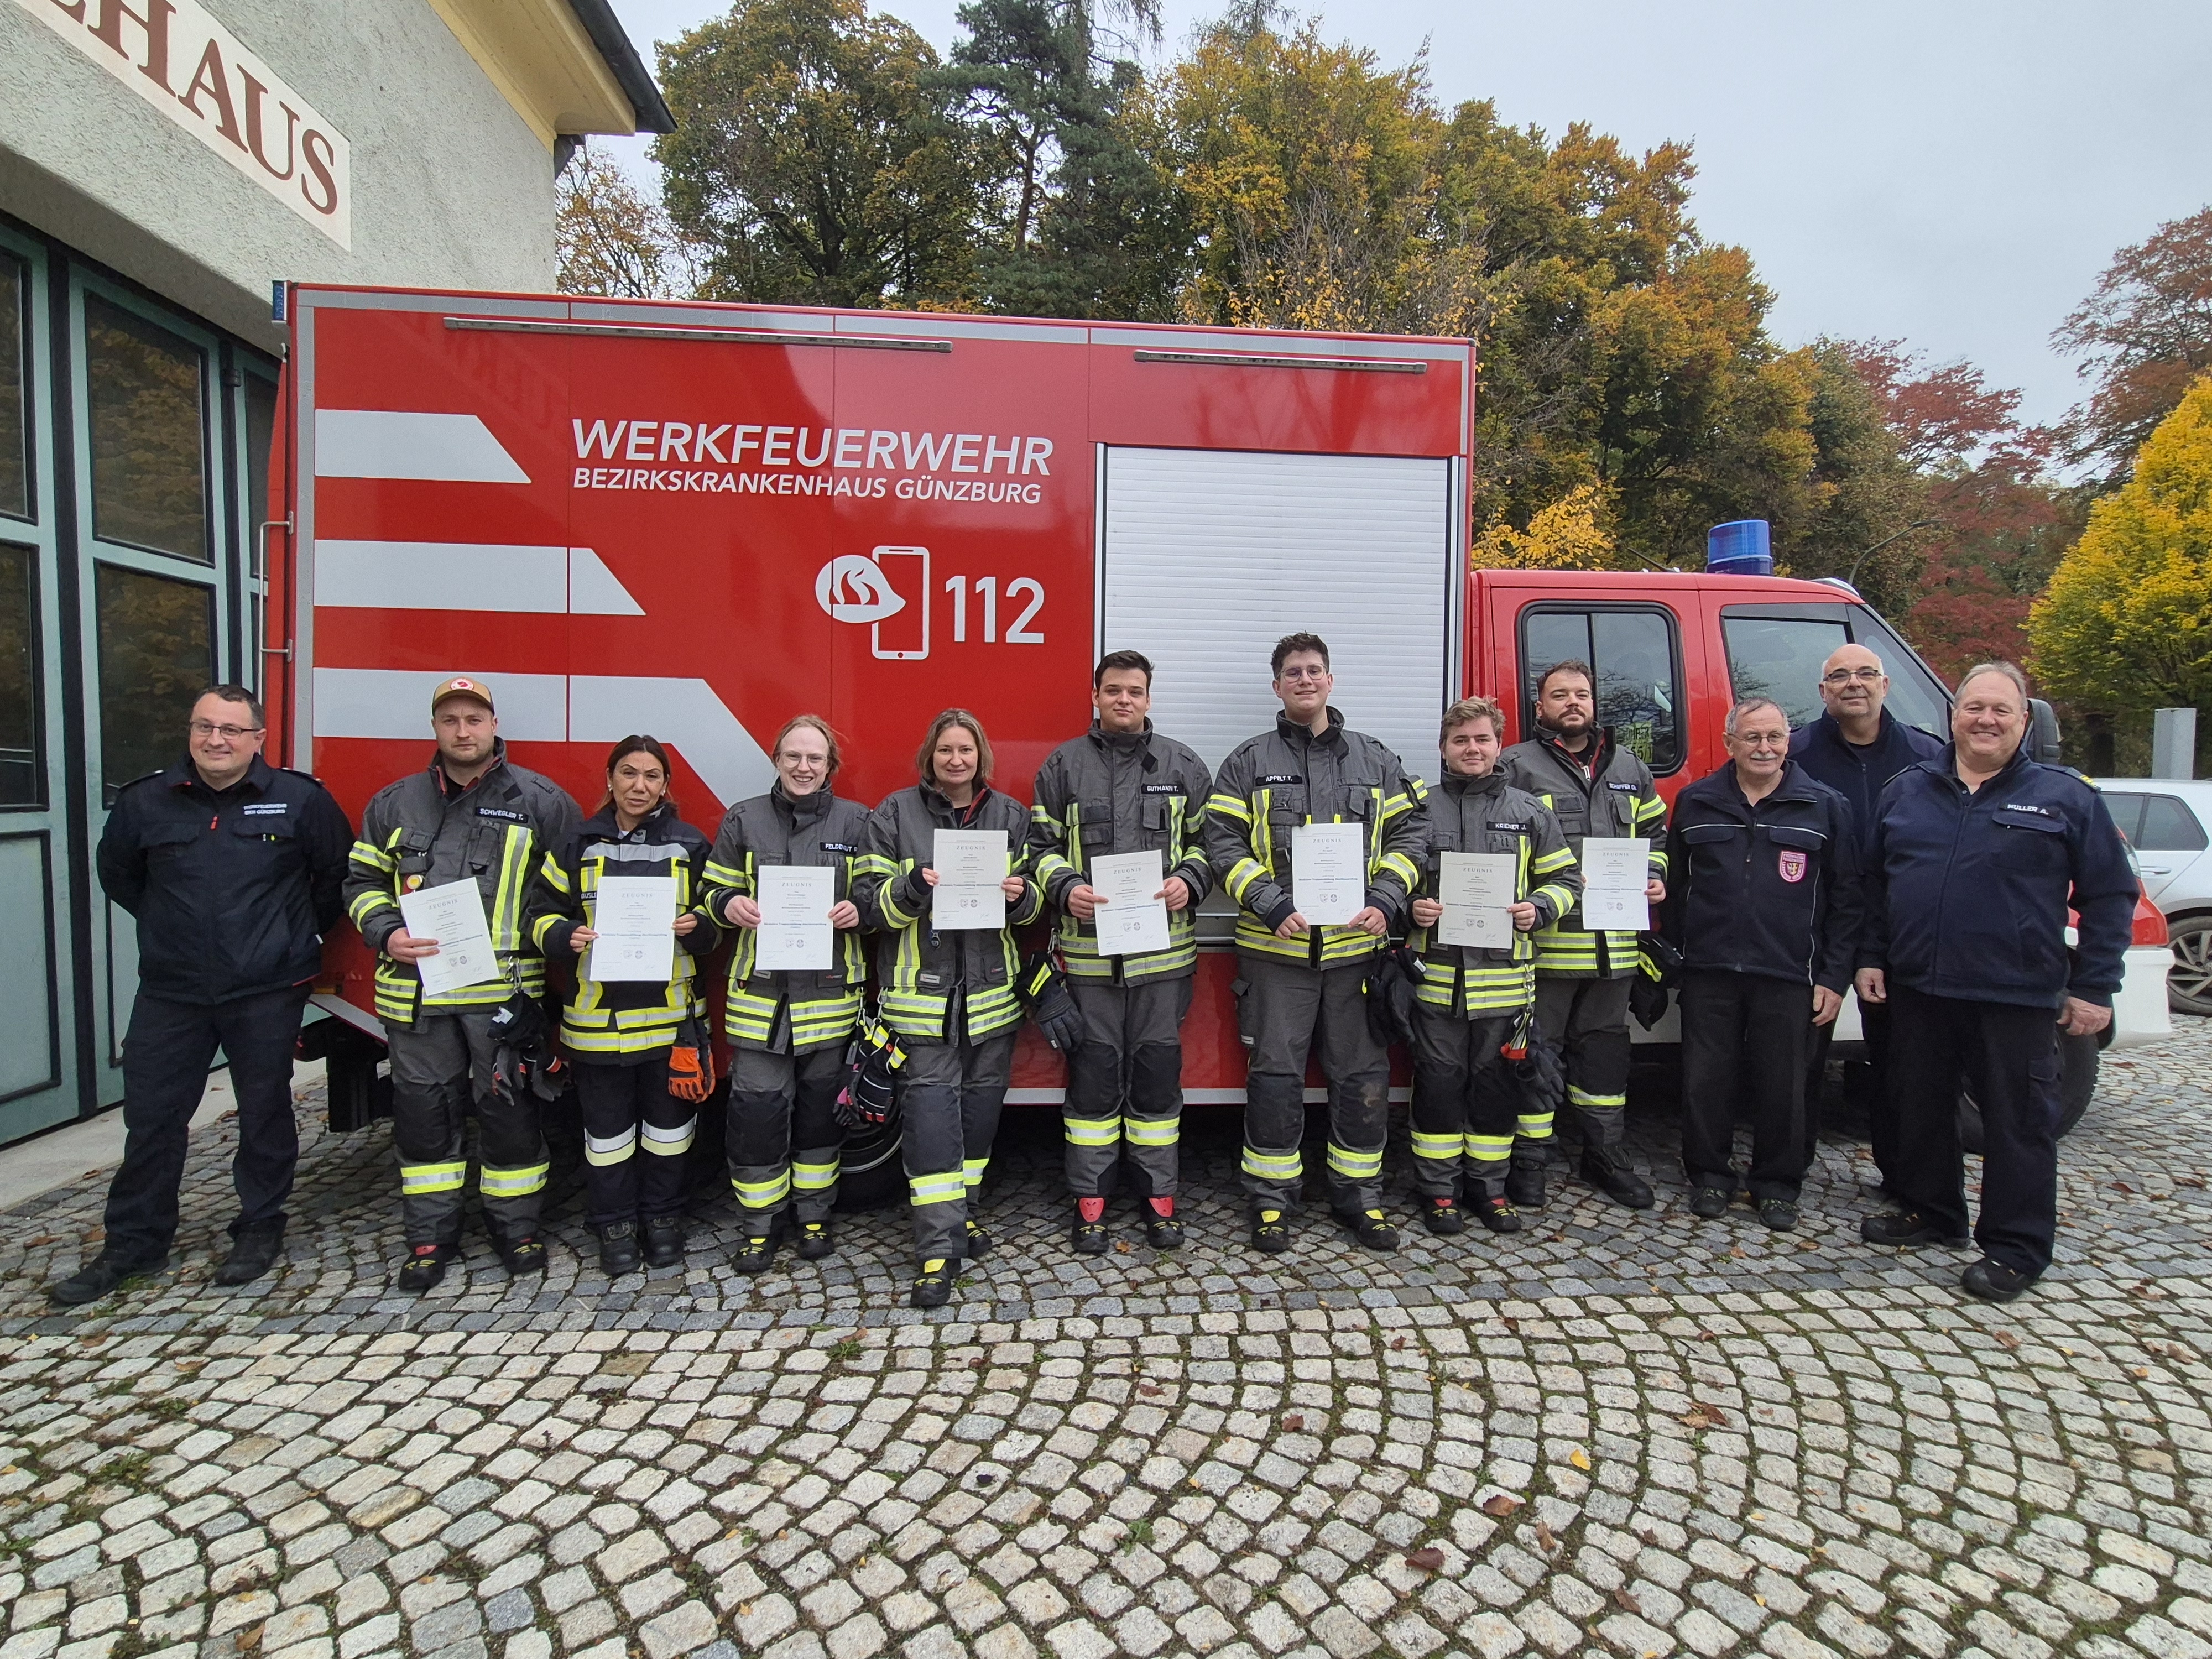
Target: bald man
point(1854, 748)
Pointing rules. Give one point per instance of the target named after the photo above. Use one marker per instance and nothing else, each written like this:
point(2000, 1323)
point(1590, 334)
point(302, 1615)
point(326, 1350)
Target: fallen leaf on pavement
point(1545, 1540)
point(1150, 1388)
point(1628, 1603)
point(1499, 1505)
point(1397, 1341)
point(2006, 1340)
point(1579, 1458)
point(1429, 1559)
point(1294, 1421)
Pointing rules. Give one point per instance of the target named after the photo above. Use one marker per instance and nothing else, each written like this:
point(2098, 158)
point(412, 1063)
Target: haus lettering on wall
point(186, 65)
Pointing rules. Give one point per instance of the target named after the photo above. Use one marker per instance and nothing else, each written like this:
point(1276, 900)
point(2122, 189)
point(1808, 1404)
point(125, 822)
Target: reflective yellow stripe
point(512, 1183)
point(971, 1172)
point(601, 1150)
point(1093, 1130)
point(670, 1143)
point(814, 1177)
point(1488, 1149)
point(940, 1188)
point(1272, 1166)
point(1152, 1131)
point(1534, 1126)
point(432, 1177)
point(1345, 1161)
point(762, 1194)
point(1439, 1147)
point(1583, 1097)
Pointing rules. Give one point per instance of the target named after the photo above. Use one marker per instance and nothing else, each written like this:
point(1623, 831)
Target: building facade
point(164, 166)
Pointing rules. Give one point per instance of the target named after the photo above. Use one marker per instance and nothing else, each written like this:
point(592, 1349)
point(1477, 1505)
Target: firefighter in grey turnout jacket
point(1467, 1105)
point(1302, 985)
point(1594, 786)
point(788, 1029)
point(1122, 788)
point(471, 815)
point(949, 992)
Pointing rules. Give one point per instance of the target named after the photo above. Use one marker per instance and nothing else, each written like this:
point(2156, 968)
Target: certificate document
point(1328, 872)
point(969, 865)
point(1615, 869)
point(1475, 888)
point(452, 915)
point(1130, 919)
point(635, 917)
point(794, 927)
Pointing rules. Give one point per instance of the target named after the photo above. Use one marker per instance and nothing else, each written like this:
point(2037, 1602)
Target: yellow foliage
point(2127, 620)
point(1572, 533)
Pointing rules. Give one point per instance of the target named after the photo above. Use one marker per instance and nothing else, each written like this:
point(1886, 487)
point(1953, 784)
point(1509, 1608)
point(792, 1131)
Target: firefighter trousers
point(636, 1137)
point(2007, 1056)
point(1744, 1037)
point(441, 1066)
point(784, 1135)
point(950, 1092)
point(1125, 1085)
point(1587, 1020)
point(1285, 1010)
point(1465, 1106)
point(166, 1056)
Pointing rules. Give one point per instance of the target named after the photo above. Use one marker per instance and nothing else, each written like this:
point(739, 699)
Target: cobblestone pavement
point(1623, 1435)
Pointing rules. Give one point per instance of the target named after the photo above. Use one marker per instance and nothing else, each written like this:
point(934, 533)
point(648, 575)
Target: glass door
point(159, 577)
point(38, 1060)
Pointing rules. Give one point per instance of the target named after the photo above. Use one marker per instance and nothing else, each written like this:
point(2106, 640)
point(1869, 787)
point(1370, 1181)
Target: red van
point(697, 520)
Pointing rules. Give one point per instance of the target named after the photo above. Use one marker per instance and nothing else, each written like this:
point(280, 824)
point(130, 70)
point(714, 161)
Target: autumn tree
point(816, 157)
point(610, 239)
point(2143, 335)
point(2126, 623)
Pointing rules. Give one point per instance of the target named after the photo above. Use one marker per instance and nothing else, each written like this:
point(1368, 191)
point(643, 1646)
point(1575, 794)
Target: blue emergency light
point(1742, 547)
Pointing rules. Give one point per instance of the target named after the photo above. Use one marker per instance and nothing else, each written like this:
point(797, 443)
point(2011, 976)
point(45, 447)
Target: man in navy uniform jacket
point(1977, 857)
point(1856, 747)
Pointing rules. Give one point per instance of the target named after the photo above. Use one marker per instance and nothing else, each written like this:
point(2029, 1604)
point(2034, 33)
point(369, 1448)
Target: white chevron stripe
point(468, 576)
point(399, 443)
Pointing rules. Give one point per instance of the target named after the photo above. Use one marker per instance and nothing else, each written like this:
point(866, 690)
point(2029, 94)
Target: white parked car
point(2169, 824)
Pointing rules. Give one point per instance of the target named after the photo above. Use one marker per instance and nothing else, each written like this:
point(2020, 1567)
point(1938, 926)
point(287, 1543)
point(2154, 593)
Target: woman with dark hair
point(639, 1049)
point(787, 1029)
point(948, 992)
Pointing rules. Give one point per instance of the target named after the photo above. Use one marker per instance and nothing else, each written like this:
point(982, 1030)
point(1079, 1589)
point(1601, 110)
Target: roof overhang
point(566, 66)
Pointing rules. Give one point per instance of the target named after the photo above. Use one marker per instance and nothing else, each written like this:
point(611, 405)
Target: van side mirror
point(2042, 733)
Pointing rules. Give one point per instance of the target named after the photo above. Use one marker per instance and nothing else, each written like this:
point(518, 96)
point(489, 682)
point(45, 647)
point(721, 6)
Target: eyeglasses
point(228, 733)
point(1845, 676)
point(1305, 674)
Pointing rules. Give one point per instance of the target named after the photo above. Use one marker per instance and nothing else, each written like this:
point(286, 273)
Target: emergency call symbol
point(853, 589)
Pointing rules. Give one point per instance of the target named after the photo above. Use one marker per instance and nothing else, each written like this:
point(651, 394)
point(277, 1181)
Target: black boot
point(524, 1253)
point(1370, 1229)
point(979, 1242)
point(757, 1253)
point(1443, 1216)
point(424, 1267)
point(814, 1241)
point(99, 1277)
point(618, 1251)
point(663, 1240)
point(1524, 1186)
point(933, 1286)
point(252, 1254)
point(1606, 1170)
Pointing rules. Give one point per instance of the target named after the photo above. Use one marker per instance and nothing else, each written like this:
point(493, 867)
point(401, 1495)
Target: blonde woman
point(787, 1029)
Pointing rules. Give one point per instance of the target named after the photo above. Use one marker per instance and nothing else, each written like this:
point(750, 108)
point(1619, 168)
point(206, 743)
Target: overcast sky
point(1953, 173)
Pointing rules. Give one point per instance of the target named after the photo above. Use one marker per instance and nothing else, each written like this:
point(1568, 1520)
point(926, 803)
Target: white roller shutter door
point(1207, 557)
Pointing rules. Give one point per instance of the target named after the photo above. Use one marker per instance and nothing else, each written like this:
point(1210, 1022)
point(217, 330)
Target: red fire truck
point(696, 520)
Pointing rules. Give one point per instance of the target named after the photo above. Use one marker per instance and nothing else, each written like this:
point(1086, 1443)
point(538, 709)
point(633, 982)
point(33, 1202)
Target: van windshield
point(1777, 651)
